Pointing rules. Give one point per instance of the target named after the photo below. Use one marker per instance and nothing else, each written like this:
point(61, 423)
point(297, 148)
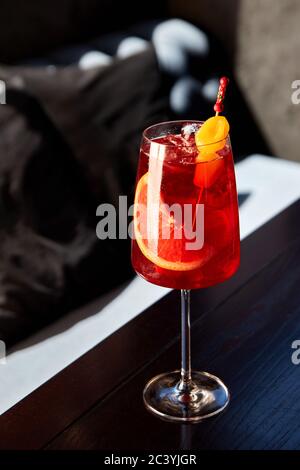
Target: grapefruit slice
point(168, 253)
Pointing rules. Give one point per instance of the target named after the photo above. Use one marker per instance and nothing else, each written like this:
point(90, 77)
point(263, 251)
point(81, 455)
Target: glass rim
point(178, 121)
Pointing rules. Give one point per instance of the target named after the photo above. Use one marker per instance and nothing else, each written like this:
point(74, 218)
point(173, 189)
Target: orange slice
point(206, 173)
point(211, 137)
point(169, 253)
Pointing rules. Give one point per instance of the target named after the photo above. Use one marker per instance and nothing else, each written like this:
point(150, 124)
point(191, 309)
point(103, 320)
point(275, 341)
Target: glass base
point(205, 396)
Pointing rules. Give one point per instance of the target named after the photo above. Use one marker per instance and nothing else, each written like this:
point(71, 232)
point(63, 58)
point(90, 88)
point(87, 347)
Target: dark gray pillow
point(68, 141)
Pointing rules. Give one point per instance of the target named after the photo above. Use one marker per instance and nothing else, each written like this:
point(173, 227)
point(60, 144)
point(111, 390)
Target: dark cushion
point(68, 141)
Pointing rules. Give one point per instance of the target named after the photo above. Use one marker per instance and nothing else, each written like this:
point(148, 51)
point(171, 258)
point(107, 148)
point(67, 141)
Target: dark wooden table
point(242, 331)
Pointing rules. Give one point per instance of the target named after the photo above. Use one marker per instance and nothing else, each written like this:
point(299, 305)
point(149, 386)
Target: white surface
point(130, 46)
point(93, 59)
point(174, 40)
point(271, 185)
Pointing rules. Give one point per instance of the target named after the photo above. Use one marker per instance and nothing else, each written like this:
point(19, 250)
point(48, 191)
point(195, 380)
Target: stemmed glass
point(186, 236)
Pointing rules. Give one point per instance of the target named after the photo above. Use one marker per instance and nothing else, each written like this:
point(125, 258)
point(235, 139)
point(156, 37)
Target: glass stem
point(185, 380)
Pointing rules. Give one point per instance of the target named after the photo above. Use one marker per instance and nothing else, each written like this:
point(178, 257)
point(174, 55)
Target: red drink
point(186, 231)
point(179, 249)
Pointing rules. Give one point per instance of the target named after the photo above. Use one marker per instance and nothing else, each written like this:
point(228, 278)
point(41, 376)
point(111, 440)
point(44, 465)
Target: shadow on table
point(70, 320)
point(242, 197)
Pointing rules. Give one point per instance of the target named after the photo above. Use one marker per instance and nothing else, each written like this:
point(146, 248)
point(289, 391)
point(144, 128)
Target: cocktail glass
point(186, 236)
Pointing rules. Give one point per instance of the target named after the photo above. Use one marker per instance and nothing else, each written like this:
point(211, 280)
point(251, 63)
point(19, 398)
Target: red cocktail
point(186, 236)
point(170, 177)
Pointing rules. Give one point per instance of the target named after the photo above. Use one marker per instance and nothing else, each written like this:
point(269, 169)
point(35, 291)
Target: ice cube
point(188, 132)
point(174, 139)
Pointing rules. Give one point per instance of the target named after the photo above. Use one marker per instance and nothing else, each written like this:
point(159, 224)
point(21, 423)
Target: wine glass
point(186, 236)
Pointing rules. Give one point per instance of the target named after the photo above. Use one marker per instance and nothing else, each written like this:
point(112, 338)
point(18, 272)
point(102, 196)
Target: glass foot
point(205, 396)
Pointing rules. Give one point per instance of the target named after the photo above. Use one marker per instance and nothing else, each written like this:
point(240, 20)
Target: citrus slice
point(211, 137)
point(168, 253)
point(206, 173)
